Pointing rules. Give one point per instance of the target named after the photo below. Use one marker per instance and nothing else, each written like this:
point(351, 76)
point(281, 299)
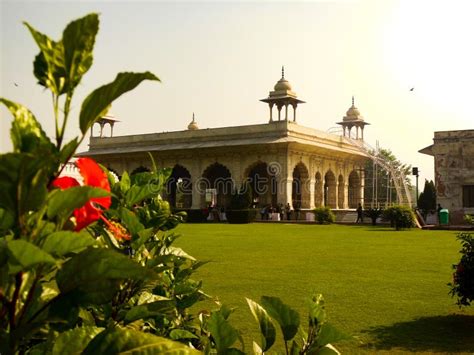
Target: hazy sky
point(218, 59)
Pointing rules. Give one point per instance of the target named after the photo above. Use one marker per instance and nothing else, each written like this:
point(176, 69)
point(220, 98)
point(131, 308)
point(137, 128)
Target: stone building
point(453, 153)
point(281, 161)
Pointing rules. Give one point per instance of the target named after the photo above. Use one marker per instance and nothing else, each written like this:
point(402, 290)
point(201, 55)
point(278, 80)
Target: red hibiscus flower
point(94, 176)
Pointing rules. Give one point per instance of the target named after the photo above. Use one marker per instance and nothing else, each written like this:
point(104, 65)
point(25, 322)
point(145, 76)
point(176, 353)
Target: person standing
point(288, 211)
point(360, 214)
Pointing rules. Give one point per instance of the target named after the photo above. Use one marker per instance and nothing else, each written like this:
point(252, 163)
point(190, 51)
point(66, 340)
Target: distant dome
point(282, 84)
point(193, 125)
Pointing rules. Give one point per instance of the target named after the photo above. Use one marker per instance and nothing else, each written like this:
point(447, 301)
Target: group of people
point(267, 211)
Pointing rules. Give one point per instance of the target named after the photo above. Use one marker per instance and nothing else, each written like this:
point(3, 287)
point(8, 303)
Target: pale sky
point(218, 59)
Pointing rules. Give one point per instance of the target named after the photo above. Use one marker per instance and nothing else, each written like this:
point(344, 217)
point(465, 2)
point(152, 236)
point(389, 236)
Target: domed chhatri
point(353, 113)
point(193, 125)
point(353, 118)
point(282, 84)
point(282, 96)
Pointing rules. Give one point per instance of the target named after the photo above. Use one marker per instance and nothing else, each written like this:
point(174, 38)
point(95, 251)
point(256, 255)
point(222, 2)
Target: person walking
point(288, 211)
point(360, 214)
point(438, 212)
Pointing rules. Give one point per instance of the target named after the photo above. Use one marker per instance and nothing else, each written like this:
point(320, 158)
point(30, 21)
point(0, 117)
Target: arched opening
point(300, 190)
point(354, 189)
point(263, 183)
point(318, 190)
point(217, 184)
point(179, 191)
point(340, 192)
point(330, 190)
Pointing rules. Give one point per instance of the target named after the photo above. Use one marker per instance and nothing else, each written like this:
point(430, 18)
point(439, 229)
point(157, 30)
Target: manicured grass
point(386, 288)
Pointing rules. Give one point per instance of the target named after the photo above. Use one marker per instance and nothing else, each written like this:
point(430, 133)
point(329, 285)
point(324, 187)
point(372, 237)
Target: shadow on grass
point(451, 333)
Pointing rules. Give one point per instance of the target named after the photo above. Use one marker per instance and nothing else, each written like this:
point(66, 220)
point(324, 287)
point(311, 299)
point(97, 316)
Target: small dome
point(353, 113)
point(193, 125)
point(282, 84)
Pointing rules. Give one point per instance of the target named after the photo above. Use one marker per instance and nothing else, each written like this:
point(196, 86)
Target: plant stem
point(16, 293)
point(67, 108)
point(29, 297)
point(286, 347)
point(56, 116)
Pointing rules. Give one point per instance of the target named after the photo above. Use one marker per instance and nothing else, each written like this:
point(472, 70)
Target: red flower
point(94, 176)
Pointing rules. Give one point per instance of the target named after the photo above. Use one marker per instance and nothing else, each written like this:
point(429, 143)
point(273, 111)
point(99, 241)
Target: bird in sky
point(412, 89)
point(15, 84)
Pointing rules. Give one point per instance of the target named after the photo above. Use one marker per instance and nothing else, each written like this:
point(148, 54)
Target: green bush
point(373, 214)
point(324, 215)
point(463, 277)
point(241, 216)
point(400, 217)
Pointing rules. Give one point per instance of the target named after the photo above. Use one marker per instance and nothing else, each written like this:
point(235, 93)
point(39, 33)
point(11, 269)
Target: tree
point(427, 199)
point(379, 186)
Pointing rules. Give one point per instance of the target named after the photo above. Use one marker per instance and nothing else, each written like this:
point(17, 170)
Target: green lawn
point(386, 288)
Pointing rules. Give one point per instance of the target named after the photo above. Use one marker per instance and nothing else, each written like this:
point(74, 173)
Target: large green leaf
point(137, 194)
point(177, 334)
point(94, 273)
point(24, 255)
point(130, 220)
point(287, 318)
point(78, 41)
point(74, 341)
point(222, 332)
point(125, 182)
point(65, 242)
point(147, 310)
point(329, 334)
point(96, 104)
point(26, 133)
point(64, 202)
point(265, 323)
point(128, 341)
point(49, 63)
point(23, 182)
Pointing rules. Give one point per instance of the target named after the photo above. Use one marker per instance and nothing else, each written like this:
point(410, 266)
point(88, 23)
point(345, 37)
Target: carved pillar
point(346, 196)
point(312, 183)
point(271, 111)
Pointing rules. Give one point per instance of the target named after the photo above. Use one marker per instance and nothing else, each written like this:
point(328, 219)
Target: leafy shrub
point(462, 286)
point(239, 210)
point(400, 217)
point(241, 199)
point(324, 215)
point(373, 214)
point(241, 216)
point(469, 219)
point(272, 314)
point(85, 262)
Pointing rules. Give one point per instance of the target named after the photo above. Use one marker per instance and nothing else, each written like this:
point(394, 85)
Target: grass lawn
point(386, 288)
